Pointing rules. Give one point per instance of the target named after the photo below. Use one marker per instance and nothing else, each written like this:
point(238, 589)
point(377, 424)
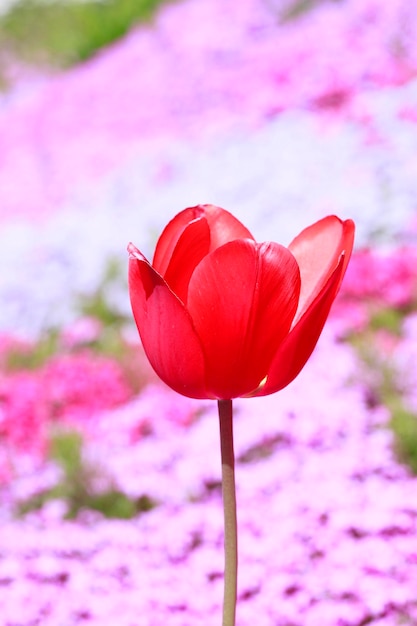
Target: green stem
point(229, 508)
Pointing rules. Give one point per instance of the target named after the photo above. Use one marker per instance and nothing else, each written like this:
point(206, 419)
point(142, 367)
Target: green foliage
point(31, 357)
point(263, 449)
point(98, 304)
point(67, 32)
point(116, 504)
point(404, 426)
point(110, 342)
point(76, 487)
point(387, 318)
point(376, 372)
point(66, 450)
point(384, 383)
point(299, 7)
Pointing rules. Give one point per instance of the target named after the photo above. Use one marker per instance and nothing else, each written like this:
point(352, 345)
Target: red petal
point(317, 250)
point(296, 349)
point(242, 298)
point(166, 329)
point(170, 236)
point(224, 226)
point(192, 246)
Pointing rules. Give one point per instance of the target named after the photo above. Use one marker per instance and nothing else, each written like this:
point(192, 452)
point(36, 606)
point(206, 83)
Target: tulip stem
point(229, 509)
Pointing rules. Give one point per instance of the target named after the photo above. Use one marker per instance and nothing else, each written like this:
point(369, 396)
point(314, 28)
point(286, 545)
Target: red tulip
point(222, 316)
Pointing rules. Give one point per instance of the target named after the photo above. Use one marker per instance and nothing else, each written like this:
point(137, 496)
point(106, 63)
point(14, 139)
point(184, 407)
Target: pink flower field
point(110, 483)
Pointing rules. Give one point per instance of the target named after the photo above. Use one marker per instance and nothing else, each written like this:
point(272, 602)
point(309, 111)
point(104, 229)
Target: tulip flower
point(222, 316)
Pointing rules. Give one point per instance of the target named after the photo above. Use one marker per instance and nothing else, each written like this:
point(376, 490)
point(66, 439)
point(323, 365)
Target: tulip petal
point(166, 329)
point(170, 235)
point(224, 227)
point(296, 349)
point(192, 246)
point(242, 299)
point(317, 250)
